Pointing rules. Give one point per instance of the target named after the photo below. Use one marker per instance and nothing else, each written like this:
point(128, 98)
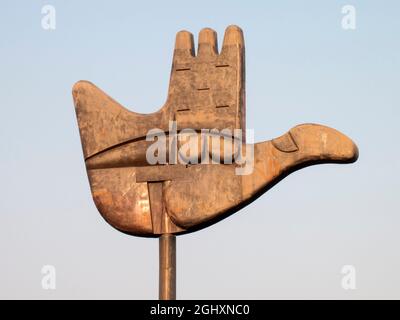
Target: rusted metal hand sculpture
point(206, 91)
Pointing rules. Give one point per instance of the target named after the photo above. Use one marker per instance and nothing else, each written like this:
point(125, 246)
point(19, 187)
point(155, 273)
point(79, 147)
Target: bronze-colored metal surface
point(206, 91)
point(167, 268)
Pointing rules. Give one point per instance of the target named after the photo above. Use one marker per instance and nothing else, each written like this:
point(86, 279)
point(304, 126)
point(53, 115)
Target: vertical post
point(167, 268)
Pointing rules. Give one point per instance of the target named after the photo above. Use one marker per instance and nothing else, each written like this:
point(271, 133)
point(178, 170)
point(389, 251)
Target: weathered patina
point(206, 91)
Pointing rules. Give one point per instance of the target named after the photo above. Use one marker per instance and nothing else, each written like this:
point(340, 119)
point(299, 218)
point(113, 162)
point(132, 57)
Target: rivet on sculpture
point(206, 91)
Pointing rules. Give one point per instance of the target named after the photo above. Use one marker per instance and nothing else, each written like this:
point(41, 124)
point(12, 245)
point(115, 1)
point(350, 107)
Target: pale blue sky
point(301, 67)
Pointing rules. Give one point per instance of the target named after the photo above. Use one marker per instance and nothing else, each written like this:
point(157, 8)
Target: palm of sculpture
point(206, 91)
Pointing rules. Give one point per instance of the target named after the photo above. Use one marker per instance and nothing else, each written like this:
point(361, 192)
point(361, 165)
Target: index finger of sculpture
point(184, 48)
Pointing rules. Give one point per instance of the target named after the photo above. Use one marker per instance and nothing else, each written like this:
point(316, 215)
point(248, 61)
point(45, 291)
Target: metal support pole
point(167, 269)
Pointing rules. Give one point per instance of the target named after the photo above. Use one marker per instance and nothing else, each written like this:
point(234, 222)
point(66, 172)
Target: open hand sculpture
point(206, 91)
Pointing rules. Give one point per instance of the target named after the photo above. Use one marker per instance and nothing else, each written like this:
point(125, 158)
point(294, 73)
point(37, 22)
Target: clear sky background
point(301, 67)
